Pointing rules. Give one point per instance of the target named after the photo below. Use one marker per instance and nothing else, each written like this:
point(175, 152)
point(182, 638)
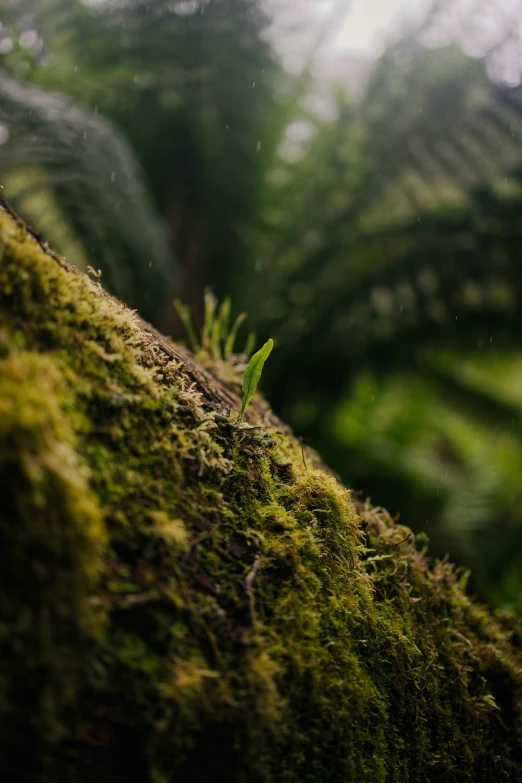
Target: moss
point(51, 545)
point(186, 601)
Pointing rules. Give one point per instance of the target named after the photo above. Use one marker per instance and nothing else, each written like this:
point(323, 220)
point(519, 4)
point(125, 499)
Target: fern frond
point(97, 184)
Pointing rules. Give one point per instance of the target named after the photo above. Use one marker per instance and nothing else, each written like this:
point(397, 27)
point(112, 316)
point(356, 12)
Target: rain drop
point(185, 7)
point(6, 44)
point(28, 39)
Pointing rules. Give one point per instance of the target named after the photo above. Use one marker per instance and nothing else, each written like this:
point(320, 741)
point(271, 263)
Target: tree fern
point(97, 183)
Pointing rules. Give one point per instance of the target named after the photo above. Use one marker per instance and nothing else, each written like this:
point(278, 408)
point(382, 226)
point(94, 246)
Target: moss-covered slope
point(182, 601)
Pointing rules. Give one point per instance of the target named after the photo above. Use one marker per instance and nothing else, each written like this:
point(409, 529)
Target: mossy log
point(183, 600)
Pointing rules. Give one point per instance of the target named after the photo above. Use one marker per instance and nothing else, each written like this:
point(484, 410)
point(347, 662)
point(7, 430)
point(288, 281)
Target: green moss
point(51, 545)
point(189, 602)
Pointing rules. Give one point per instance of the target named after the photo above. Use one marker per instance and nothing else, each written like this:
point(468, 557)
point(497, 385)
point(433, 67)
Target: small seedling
point(217, 341)
point(252, 374)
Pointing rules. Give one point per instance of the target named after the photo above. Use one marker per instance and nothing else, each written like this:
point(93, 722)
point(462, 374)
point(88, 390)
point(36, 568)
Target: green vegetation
point(378, 241)
point(252, 374)
point(186, 600)
point(215, 347)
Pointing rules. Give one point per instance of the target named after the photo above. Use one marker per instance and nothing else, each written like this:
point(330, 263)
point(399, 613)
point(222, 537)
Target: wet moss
point(51, 547)
point(186, 601)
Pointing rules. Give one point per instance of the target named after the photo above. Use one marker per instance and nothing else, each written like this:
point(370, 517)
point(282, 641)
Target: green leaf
point(186, 318)
point(224, 318)
point(215, 348)
point(231, 339)
point(490, 701)
point(250, 343)
point(253, 372)
point(208, 321)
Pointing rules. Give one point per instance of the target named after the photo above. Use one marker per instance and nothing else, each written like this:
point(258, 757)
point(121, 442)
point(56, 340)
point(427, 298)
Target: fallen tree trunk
point(183, 600)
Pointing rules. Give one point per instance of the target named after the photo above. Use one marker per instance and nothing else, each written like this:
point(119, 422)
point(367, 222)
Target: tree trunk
point(183, 600)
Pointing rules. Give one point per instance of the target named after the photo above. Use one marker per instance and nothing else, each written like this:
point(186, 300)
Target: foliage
point(252, 374)
point(383, 252)
point(437, 456)
point(217, 343)
point(252, 625)
point(194, 91)
point(408, 267)
point(60, 165)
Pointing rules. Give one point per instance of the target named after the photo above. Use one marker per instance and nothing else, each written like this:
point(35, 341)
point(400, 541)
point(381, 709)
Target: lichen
point(188, 601)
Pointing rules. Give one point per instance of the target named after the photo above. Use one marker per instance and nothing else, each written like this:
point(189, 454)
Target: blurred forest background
point(365, 211)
